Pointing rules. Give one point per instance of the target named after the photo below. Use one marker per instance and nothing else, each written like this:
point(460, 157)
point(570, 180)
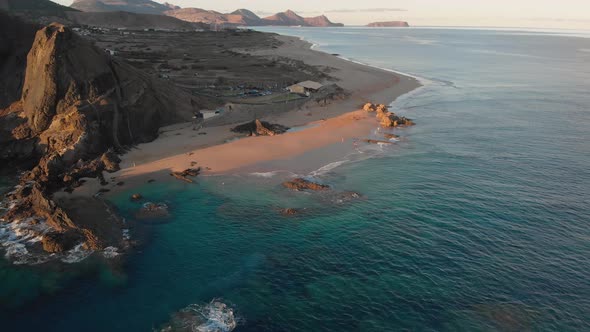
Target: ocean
point(478, 219)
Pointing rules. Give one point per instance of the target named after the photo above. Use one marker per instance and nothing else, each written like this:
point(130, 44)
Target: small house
point(305, 88)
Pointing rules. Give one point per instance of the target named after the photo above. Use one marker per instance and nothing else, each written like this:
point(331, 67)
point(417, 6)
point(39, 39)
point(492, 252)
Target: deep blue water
point(478, 220)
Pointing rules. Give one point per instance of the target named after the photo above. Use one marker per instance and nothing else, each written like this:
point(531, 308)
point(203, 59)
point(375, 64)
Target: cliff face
point(290, 18)
point(76, 104)
point(390, 24)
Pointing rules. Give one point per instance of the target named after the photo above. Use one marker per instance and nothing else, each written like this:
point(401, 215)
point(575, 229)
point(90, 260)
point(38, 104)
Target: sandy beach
point(217, 150)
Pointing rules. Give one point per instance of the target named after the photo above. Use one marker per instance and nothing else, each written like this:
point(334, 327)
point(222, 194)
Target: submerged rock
point(390, 136)
point(345, 196)
point(289, 212)
point(136, 197)
point(151, 210)
point(376, 141)
point(300, 184)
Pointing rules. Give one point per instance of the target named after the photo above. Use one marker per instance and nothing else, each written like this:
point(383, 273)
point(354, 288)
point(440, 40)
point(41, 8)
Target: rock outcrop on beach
point(387, 119)
point(389, 24)
point(187, 174)
point(78, 106)
point(260, 128)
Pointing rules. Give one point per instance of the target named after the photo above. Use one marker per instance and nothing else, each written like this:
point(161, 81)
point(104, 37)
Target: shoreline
point(222, 152)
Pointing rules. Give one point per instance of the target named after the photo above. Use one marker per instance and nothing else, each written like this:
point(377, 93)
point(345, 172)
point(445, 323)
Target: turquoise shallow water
point(477, 220)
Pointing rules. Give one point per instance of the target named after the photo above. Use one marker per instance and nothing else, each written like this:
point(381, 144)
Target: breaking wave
point(265, 174)
point(215, 316)
point(327, 168)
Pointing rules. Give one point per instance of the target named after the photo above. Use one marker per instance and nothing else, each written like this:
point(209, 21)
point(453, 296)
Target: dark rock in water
point(60, 242)
point(151, 181)
point(376, 141)
point(184, 175)
point(289, 212)
point(390, 136)
point(136, 197)
point(153, 211)
point(260, 128)
point(345, 196)
point(120, 184)
point(300, 184)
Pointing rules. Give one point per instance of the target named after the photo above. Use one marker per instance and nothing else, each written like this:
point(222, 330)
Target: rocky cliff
point(77, 106)
point(290, 18)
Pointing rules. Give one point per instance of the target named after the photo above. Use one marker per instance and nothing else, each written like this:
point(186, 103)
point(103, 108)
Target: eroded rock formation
point(78, 106)
point(386, 118)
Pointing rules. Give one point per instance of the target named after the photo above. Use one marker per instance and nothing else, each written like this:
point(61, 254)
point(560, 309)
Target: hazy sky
point(573, 14)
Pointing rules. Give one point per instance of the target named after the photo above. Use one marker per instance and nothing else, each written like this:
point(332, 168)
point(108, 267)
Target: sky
point(568, 14)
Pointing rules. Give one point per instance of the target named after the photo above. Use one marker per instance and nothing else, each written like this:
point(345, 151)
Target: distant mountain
point(390, 24)
point(244, 17)
point(289, 18)
point(321, 21)
point(34, 8)
point(240, 17)
point(134, 6)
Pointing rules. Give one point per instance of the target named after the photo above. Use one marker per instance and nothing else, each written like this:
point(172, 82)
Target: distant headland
point(389, 24)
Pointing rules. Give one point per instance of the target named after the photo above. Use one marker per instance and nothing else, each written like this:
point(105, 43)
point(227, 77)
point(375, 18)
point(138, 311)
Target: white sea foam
point(327, 168)
point(265, 174)
point(520, 55)
point(126, 234)
point(420, 41)
point(110, 252)
point(212, 317)
point(76, 255)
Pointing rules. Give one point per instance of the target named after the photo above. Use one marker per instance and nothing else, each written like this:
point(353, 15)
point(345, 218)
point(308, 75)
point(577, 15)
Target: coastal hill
point(35, 9)
point(290, 18)
point(389, 24)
